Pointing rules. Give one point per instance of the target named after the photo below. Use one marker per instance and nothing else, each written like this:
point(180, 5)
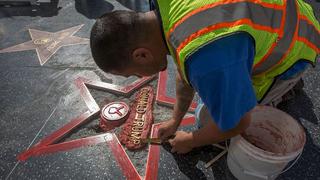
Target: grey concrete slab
point(94, 162)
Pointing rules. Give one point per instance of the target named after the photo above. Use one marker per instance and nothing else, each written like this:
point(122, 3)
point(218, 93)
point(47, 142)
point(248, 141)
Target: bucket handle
point(292, 164)
point(270, 176)
point(263, 176)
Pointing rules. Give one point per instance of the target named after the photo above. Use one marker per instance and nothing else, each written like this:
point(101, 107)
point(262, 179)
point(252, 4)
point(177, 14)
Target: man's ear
point(142, 56)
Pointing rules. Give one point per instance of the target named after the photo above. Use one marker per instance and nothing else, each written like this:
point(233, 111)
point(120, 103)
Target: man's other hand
point(167, 129)
point(182, 142)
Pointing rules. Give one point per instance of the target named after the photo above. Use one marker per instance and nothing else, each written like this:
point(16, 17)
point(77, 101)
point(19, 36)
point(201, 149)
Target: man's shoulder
point(221, 54)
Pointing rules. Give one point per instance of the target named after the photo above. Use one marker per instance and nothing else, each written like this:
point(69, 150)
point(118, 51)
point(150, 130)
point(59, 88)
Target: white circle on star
point(115, 111)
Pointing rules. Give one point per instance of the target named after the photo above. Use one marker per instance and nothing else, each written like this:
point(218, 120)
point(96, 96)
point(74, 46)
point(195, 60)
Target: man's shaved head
point(113, 38)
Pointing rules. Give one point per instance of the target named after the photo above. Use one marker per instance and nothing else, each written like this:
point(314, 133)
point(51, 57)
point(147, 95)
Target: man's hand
point(167, 129)
point(182, 142)
point(184, 95)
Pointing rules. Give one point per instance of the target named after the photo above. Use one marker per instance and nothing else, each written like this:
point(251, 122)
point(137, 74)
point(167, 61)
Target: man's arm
point(184, 97)
point(220, 72)
point(211, 134)
point(208, 134)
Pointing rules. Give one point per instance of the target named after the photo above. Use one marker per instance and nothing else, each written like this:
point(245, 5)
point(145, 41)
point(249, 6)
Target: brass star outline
point(48, 43)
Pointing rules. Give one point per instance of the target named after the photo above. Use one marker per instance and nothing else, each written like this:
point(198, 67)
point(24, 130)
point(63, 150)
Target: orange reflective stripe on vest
point(309, 34)
point(205, 18)
point(280, 19)
point(280, 49)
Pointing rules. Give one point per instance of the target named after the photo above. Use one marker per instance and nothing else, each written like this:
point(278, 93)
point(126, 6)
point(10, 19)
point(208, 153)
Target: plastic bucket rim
point(232, 159)
point(249, 145)
point(264, 155)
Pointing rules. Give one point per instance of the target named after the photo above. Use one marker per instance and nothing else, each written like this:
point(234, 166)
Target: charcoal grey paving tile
point(92, 162)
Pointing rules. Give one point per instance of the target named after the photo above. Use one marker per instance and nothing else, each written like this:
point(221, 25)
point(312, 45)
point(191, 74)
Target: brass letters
point(139, 119)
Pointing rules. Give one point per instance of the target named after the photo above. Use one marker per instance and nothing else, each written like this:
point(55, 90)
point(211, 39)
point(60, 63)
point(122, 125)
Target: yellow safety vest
point(285, 31)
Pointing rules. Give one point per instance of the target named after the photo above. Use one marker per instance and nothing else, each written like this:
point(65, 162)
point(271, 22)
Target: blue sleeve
point(220, 72)
point(297, 68)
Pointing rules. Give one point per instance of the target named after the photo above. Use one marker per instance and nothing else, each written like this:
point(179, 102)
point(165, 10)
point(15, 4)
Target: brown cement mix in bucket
point(274, 131)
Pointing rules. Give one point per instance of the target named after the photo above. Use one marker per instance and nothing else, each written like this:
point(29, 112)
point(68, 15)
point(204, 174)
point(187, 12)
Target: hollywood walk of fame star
point(49, 143)
point(48, 43)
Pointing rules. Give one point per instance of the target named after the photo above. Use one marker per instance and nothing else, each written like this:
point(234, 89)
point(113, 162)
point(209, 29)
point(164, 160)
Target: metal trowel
point(156, 141)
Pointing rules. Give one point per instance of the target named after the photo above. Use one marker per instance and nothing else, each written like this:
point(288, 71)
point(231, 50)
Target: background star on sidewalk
point(47, 43)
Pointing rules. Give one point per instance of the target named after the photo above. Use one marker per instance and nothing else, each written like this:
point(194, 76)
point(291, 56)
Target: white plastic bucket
point(272, 140)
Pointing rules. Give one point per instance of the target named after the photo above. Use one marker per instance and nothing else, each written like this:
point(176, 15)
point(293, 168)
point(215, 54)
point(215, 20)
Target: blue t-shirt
point(221, 74)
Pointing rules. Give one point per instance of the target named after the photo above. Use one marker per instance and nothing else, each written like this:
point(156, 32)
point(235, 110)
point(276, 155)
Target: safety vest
point(285, 31)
